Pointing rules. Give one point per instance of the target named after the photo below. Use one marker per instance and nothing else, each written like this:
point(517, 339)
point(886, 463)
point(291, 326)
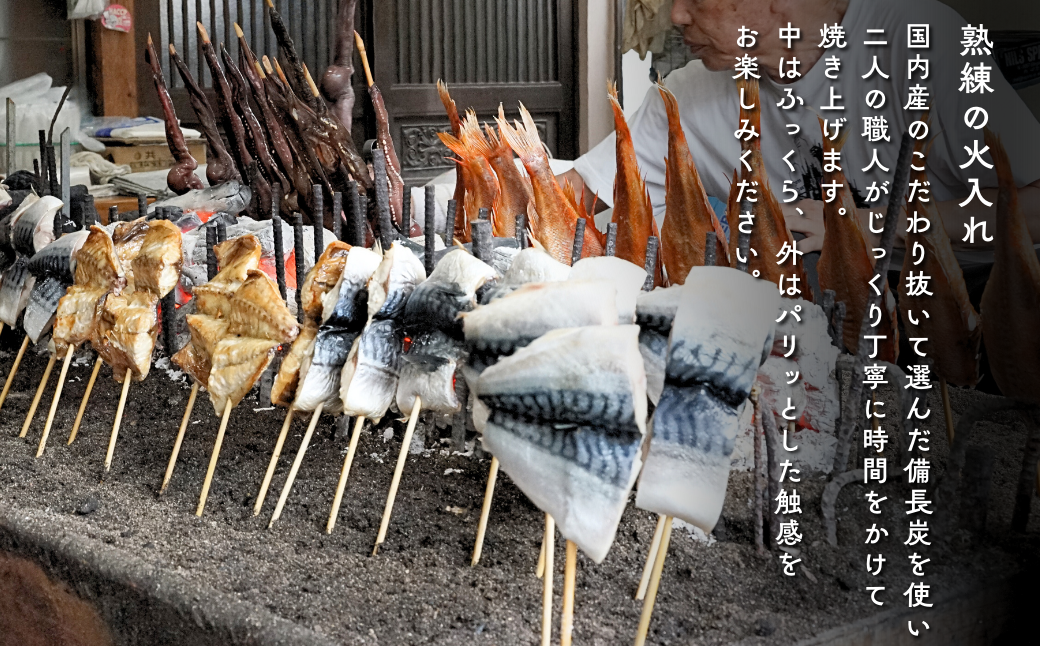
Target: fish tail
point(449, 107)
point(455, 145)
point(671, 106)
point(620, 125)
point(524, 139)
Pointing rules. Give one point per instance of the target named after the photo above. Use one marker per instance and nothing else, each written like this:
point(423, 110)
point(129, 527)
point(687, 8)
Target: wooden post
point(114, 68)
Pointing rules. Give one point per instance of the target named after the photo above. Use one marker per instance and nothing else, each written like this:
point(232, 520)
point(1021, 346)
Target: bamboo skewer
point(539, 569)
point(655, 582)
point(485, 511)
point(402, 456)
point(651, 557)
point(39, 393)
point(360, 44)
point(287, 487)
point(180, 437)
point(54, 402)
point(14, 370)
point(947, 409)
point(342, 484)
point(547, 580)
point(86, 398)
point(260, 497)
point(569, 575)
point(119, 419)
point(213, 459)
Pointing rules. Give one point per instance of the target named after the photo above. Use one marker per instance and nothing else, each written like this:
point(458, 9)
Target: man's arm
point(578, 183)
point(956, 219)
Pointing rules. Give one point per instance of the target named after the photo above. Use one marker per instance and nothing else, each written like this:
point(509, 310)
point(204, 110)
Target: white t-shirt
point(708, 102)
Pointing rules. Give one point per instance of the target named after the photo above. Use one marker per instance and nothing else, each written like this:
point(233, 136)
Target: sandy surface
point(420, 589)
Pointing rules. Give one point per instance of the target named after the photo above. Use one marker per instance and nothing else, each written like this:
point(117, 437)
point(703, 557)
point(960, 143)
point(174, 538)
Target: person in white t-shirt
point(708, 100)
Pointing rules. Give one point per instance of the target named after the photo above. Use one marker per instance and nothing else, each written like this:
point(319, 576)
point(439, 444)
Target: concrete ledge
point(140, 603)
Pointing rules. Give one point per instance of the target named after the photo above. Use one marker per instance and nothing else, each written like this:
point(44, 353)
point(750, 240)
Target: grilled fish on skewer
point(515, 194)
point(461, 172)
point(482, 188)
point(846, 266)
point(336, 81)
point(42, 305)
point(655, 311)
point(568, 416)
point(953, 329)
point(125, 332)
point(195, 358)
point(1011, 301)
point(368, 382)
point(181, 177)
point(554, 219)
point(236, 258)
point(157, 265)
point(97, 272)
point(58, 259)
point(688, 214)
point(283, 390)
point(53, 268)
point(633, 213)
point(253, 312)
point(427, 370)
point(514, 321)
point(721, 334)
point(34, 228)
point(15, 288)
point(450, 290)
point(345, 311)
point(769, 232)
point(626, 277)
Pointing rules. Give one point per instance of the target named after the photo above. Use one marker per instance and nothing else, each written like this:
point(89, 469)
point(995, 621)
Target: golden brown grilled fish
point(236, 258)
point(257, 311)
point(952, 327)
point(237, 363)
point(157, 265)
point(322, 277)
point(633, 213)
point(1011, 301)
point(97, 272)
point(846, 266)
point(688, 215)
point(125, 332)
point(195, 358)
point(283, 391)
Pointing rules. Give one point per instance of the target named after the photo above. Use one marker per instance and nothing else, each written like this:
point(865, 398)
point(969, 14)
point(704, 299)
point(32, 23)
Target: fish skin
point(9, 220)
point(566, 420)
point(34, 229)
point(655, 313)
point(42, 306)
point(15, 288)
point(322, 277)
point(482, 189)
point(58, 259)
point(515, 194)
point(554, 217)
point(286, 382)
point(846, 266)
point(428, 370)
point(689, 216)
point(722, 332)
point(368, 381)
point(1010, 308)
point(97, 264)
point(258, 311)
point(236, 257)
point(237, 363)
point(514, 321)
point(627, 278)
point(530, 265)
point(448, 291)
point(346, 305)
point(393, 282)
point(320, 372)
point(953, 330)
point(633, 213)
point(462, 180)
point(125, 332)
point(157, 265)
point(770, 231)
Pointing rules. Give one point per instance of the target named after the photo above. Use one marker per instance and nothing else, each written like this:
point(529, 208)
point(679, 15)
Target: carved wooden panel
point(423, 155)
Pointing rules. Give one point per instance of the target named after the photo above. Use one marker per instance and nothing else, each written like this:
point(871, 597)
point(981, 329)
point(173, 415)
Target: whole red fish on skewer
point(846, 266)
point(482, 188)
point(1010, 307)
point(555, 216)
point(952, 327)
point(633, 212)
point(515, 195)
point(688, 215)
point(461, 173)
point(769, 233)
point(181, 177)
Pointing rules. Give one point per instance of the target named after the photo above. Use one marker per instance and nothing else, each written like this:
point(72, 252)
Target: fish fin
point(449, 107)
point(524, 139)
point(456, 146)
